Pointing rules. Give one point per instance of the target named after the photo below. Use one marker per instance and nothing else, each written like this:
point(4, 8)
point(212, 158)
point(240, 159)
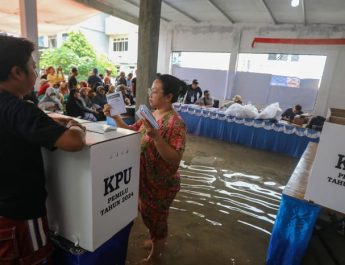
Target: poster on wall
point(326, 184)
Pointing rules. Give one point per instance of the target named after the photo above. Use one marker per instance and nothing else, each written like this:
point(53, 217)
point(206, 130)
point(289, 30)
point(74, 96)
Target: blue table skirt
point(292, 231)
point(251, 136)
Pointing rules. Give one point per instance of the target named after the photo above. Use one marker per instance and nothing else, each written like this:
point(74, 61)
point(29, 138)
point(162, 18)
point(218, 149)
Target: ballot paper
point(115, 100)
point(98, 127)
point(144, 113)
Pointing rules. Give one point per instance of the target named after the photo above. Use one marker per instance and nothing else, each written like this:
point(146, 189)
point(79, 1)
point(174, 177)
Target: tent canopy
point(53, 16)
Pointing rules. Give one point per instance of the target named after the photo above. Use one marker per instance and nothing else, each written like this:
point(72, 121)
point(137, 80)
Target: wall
point(237, 39)
point(94, 30)
point(256, 88)
point(212, 80)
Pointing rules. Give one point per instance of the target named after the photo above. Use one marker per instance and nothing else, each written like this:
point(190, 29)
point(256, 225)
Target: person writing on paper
point(161, 153)
point(24, 130)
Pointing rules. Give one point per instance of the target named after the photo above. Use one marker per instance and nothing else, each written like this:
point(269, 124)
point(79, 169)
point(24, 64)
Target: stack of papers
point(144, 113)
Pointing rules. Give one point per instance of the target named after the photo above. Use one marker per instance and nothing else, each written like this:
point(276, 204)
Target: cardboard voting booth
point(93, 193)
point(326, 184)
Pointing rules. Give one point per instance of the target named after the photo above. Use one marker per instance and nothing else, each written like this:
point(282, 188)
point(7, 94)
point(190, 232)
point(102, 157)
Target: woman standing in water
point(161, 153)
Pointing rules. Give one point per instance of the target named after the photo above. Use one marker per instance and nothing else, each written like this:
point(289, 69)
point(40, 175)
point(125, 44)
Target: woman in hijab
point(100, 99)
point(50, 101)
point(75, 107)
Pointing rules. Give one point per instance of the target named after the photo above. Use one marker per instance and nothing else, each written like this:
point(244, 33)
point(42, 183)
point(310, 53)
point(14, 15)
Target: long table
point(261, 134)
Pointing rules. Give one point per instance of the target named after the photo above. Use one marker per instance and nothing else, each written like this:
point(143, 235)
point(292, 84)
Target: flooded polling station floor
point(226, 208)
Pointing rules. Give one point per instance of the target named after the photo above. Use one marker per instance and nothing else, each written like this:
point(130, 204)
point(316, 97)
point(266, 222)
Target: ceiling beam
point(181, 11)
point(110, 10)
point(138, 6)
point(304, 12)
point(269, 11)
point(221, 11)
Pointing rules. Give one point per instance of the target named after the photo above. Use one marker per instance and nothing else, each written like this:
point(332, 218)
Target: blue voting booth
point(112, 252)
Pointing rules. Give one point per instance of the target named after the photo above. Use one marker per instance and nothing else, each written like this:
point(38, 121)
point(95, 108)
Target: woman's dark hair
point(14, 52)
point(172, 85)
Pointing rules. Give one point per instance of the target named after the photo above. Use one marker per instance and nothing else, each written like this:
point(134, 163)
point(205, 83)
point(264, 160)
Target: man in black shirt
point(194, 92)
point(72, 80)
point(290, 113)
point(24, 129)
point(94, 80)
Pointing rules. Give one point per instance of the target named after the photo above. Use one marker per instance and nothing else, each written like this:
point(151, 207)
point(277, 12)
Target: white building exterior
point(114, 37)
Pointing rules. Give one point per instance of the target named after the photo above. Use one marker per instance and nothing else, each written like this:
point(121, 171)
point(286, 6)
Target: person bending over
point(290, 113)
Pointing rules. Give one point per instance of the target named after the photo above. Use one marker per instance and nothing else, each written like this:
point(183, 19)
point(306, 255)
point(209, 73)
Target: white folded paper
point(115, 100)
point(143, 112)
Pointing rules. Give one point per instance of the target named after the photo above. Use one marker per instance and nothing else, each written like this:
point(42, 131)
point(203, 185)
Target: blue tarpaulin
point(292, 231)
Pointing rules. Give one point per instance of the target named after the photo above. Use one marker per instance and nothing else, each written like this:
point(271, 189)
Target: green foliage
point(77, 43)
point(103, 63)
point(76, 51)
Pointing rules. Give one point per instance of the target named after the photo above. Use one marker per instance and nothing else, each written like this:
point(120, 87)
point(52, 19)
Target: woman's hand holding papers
point(152, 132)
point(120, 123)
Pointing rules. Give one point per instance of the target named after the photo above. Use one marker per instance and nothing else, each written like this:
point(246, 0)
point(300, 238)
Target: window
point(288, 79)
point(64, 36)
point(52, 43)
point(41, 42)
point(120, 44)
point(201, 60)
point(277, 57)
point(288, 65)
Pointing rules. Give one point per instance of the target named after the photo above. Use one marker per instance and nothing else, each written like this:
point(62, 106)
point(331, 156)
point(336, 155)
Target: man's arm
point(72, 139)
point(199, 92)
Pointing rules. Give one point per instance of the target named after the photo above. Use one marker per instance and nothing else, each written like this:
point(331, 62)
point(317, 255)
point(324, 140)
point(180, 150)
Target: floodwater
point(226, 208)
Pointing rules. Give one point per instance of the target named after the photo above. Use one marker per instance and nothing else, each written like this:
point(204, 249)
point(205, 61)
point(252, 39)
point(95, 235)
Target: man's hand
point(73, 123)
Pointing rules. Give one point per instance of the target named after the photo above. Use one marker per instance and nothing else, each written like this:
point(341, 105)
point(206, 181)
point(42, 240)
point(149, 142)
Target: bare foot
point(157, 247)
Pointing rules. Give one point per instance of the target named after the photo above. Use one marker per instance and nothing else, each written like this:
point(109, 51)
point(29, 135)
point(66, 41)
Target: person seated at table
point(206, 100)
point(100, 99)
point(50, 102)
point(236, 99)
point(194, 92)
point(75, 107)
point(127, 98)
point(290, 113)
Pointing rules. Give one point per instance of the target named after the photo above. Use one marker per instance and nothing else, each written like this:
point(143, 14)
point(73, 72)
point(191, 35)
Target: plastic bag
point(250, 111)
point(272, 111)
point(236, 110)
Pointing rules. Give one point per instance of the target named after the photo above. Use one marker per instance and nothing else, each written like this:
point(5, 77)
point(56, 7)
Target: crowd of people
point(84, 99)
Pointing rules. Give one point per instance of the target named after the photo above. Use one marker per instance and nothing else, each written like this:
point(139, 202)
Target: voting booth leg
point(112, 252)
point(292, 231)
